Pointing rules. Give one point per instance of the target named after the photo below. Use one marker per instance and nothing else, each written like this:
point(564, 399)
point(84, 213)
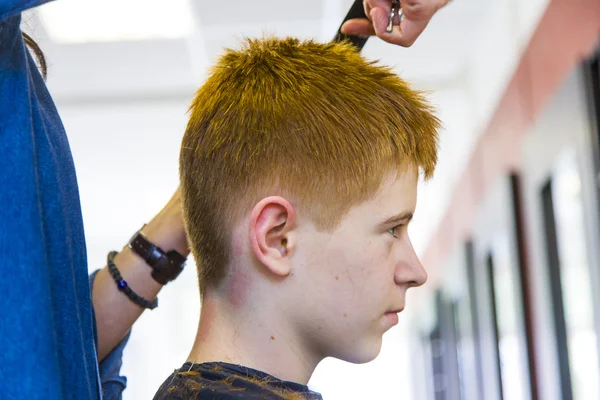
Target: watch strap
point(165, 266)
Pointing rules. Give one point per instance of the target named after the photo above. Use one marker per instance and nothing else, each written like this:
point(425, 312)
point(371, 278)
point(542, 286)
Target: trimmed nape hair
point(315, 123)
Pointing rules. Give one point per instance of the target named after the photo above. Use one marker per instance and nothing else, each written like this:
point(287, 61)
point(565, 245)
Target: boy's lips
point(395, 310)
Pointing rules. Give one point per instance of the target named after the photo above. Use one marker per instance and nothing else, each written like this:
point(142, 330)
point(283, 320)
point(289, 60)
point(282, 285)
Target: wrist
point(162, 243)
point(168, 233)
point(166, 265)
point(167, 230)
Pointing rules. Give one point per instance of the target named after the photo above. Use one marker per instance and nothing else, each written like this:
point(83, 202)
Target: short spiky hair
point(315, 123)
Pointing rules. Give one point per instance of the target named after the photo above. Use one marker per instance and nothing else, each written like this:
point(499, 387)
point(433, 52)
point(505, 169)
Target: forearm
point(115, 312)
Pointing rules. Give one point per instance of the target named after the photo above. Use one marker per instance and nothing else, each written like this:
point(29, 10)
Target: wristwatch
point(165, 266)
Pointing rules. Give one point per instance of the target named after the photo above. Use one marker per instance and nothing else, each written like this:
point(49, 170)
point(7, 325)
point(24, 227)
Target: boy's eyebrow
point(405, 216)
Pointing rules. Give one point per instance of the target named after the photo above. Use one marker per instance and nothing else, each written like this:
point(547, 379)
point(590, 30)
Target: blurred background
point(508, 228)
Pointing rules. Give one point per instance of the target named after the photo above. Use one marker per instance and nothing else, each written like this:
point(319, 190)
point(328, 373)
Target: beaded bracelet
point(123, 287)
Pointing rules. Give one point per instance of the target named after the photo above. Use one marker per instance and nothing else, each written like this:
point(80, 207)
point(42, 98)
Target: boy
point(299, 172)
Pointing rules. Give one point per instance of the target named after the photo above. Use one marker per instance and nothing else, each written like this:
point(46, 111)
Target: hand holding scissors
point(394, 21)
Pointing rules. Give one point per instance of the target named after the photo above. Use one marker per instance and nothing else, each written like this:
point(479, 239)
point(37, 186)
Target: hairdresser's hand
point(115, 313)
point(166, 229)
point(417, 15)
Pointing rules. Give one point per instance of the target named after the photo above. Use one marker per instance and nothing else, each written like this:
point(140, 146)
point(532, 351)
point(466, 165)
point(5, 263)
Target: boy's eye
point(394, 231)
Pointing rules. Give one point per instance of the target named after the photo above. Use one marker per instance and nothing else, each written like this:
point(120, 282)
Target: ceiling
point(173, 61)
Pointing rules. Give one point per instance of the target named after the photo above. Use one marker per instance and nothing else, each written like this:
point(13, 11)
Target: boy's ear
point(271, 234)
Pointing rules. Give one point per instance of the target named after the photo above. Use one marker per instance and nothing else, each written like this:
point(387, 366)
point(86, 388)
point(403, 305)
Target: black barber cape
point(222, 381)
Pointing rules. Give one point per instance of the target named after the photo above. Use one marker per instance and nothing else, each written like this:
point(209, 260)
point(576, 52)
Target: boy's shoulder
point(217, 380)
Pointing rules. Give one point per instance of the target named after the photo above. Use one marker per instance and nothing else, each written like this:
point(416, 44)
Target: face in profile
point(354, 279)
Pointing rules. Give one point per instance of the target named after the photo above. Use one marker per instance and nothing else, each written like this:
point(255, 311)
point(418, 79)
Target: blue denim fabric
point(46, 320)
point(46, 327)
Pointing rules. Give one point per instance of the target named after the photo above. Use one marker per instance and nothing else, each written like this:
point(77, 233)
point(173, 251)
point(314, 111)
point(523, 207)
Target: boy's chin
point(366, 352)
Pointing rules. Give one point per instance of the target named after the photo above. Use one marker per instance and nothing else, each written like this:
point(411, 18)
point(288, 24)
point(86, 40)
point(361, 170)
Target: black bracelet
point(123, 287)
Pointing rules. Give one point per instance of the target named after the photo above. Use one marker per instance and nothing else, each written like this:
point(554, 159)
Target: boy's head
point(296, 159)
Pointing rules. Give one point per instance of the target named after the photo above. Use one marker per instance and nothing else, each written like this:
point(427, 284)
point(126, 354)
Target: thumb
point(380, 18)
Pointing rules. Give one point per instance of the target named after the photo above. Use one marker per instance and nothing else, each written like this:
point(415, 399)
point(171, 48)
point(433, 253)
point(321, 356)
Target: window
point(570, 281)
point(505, 304)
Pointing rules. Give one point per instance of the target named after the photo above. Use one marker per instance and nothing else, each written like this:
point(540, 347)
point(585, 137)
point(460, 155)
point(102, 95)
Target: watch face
point(165, 267)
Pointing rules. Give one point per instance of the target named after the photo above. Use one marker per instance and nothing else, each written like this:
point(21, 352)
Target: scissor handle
point(356, 11)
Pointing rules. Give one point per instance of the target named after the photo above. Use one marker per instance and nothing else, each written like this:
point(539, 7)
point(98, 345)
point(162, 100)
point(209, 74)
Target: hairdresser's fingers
point(404, 35)
point(417, 15)
point(358, 27)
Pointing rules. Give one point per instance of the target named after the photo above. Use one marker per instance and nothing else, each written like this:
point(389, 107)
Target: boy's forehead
point(396, 196)
point(398, 186)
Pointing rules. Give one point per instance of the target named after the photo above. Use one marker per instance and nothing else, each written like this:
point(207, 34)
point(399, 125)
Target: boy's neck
point(241, 336)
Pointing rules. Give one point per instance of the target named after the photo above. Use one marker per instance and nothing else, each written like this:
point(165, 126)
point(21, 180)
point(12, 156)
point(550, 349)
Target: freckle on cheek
point(345, 315)
point(337, 277)
point(272, 337)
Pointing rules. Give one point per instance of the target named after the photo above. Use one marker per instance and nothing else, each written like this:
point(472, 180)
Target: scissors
point(396, 11)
